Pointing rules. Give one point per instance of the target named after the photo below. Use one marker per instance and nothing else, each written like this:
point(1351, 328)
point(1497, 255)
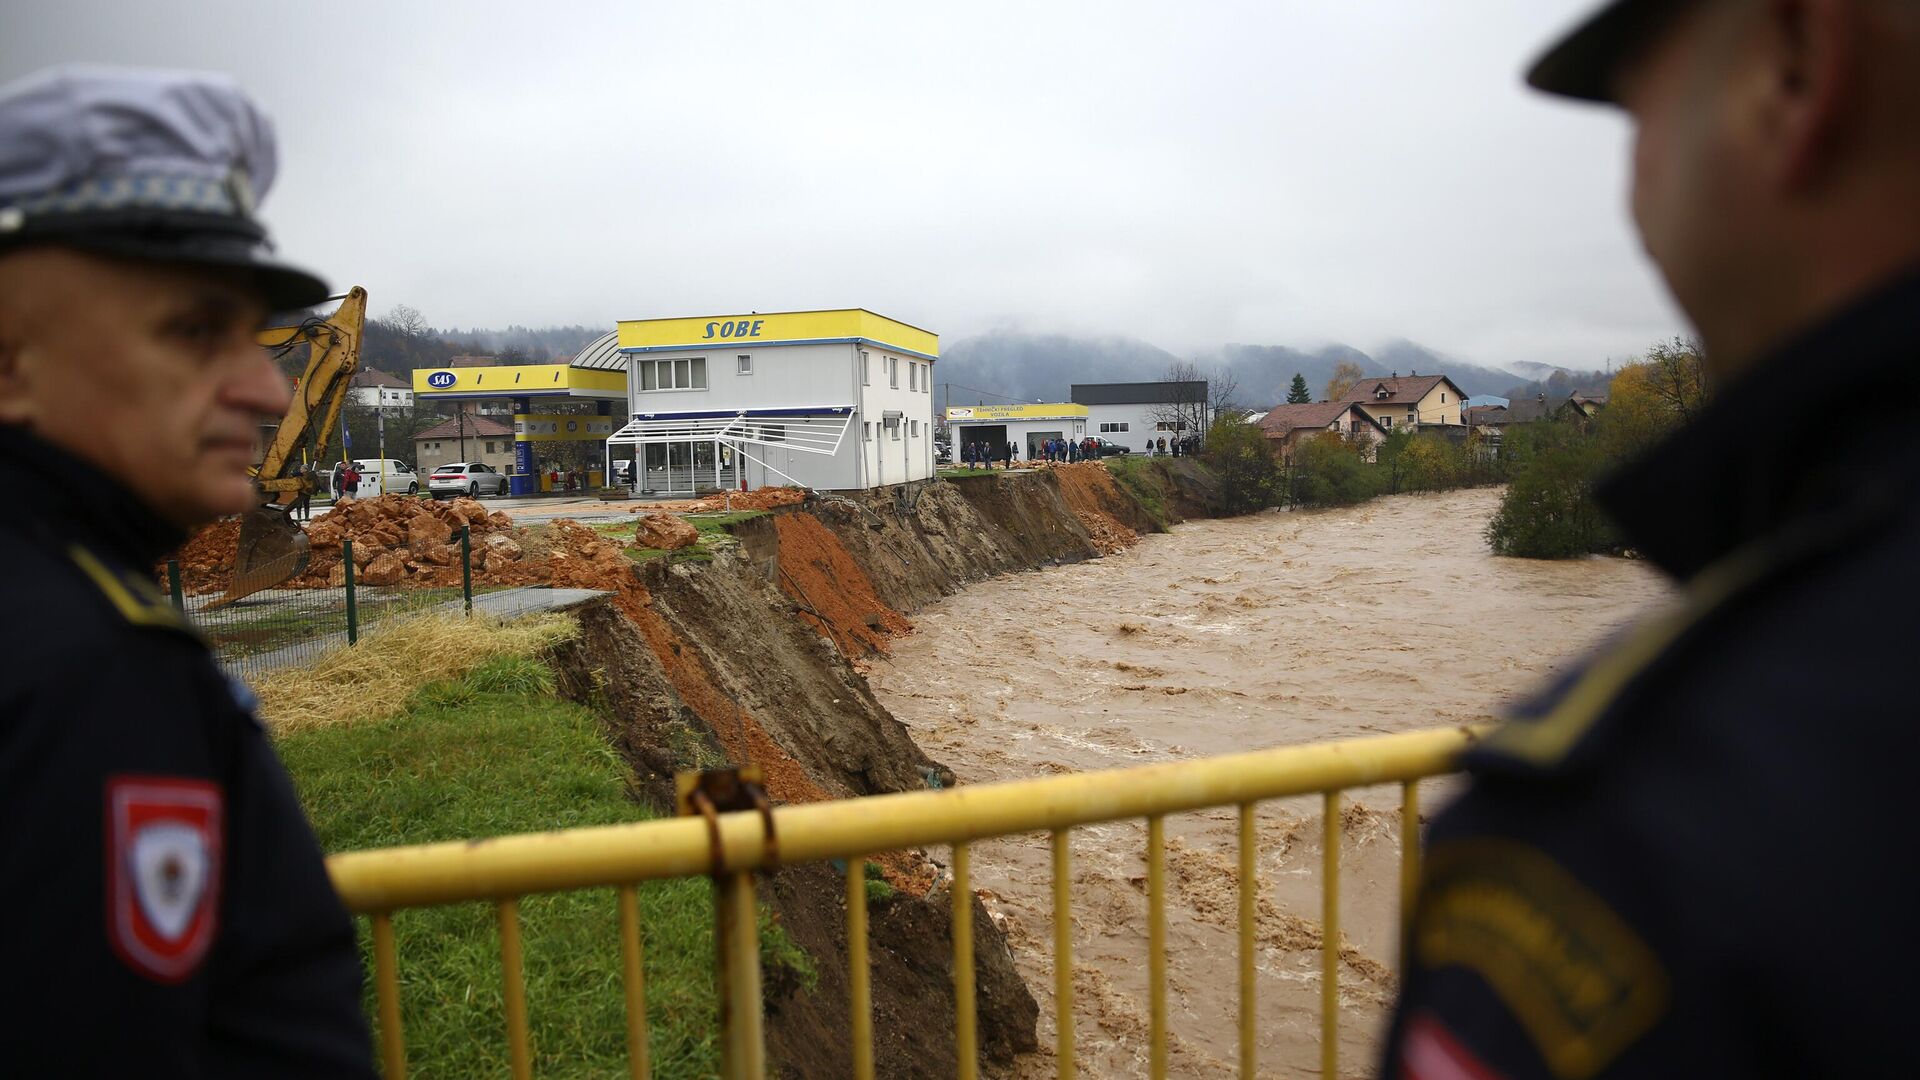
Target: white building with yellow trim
point(833, 400)
point(1027, 427)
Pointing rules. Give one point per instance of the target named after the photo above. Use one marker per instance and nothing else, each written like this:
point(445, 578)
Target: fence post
point(466, 565)
point(353, 615)
point(173, 584)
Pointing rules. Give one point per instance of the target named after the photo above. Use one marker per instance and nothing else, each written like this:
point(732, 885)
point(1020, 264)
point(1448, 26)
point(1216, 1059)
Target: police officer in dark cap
point(1690, 857)
point(165, 908)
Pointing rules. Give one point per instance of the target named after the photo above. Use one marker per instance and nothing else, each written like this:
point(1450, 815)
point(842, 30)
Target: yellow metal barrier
point(503, 869)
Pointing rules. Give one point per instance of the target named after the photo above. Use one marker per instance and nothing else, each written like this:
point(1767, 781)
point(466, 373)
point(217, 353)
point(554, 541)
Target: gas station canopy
point(519, 381)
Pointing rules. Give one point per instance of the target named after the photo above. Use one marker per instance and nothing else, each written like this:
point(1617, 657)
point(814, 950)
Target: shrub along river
point(1224, 636)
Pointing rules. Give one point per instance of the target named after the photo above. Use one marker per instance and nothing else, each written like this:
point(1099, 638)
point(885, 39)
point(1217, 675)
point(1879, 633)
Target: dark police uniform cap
point(1582, 63)
point(164, 166)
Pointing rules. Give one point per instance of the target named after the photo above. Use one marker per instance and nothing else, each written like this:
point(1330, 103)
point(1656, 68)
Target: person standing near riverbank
point(1617, 892)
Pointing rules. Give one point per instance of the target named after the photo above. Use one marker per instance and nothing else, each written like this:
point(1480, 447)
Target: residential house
point(464, 438)
point(374, 388)
point(1286, 425)
point(1410, 401)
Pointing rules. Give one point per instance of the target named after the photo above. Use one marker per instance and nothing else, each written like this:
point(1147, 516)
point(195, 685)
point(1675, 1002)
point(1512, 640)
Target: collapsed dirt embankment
point(756, 657)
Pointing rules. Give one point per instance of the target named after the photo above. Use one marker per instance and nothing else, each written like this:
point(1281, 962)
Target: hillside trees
point(1237, 452)
point(1548, 511)
point(1298, 394)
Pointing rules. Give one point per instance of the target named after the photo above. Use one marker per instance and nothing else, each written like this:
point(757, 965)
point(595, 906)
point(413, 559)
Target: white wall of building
point(797, 376)
point(391, 397)
point(1127, 425)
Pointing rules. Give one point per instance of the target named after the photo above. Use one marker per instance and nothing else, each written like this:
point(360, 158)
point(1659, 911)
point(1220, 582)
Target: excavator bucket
point(271, 550)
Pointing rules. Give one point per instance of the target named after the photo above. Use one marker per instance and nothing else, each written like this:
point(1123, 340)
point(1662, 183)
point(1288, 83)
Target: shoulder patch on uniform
point(1546, 740)
point(138, 600)
point(163, 872)
point(1580, 981)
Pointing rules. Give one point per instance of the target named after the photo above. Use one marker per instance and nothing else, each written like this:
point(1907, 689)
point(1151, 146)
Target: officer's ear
point(13, 385)
point(1809, 86)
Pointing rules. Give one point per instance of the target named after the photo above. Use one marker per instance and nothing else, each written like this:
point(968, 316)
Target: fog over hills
point(1011, 366)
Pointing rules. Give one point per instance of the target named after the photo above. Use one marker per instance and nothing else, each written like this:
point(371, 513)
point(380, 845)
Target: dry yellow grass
point(376, 678)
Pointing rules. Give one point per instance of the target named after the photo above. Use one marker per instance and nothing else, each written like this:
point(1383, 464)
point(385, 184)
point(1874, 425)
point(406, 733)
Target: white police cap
point(159, 165)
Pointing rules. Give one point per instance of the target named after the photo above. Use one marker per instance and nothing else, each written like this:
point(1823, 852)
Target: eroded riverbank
point(1231, 635)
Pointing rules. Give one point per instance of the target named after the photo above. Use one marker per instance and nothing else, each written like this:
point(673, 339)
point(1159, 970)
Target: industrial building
point(833, 400)
point(1026, 426)
point(1131, 413)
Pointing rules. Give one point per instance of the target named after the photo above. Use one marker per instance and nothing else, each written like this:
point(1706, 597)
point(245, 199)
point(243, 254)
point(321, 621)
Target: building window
point(674, 374)
point(893, 431)
point(743, 364)
point(1386, 421)
point(913, 376)
point(893, 377)
point(1443, 397)
point(913, 429)
point(866, 428)
point(866, 368)
point(773, 433)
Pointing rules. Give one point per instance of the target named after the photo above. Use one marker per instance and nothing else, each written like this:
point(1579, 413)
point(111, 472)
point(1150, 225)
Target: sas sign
point(734, 328)
point(440, 380)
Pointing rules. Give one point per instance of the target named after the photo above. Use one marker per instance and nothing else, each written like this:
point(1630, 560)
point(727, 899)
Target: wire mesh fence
point(291, 627)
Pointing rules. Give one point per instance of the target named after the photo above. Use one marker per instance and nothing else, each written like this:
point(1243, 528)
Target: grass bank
point(492, 750)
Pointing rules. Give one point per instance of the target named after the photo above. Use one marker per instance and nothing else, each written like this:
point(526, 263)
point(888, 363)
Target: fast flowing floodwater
point(1220, 637)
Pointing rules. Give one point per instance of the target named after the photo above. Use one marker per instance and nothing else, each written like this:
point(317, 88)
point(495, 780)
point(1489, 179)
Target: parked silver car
point(470, 478)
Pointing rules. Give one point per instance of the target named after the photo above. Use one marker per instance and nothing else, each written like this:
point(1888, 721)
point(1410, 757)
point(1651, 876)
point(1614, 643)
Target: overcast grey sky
point(1266, 173)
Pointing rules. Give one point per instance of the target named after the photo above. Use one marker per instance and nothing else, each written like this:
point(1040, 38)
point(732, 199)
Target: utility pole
point(380, 425)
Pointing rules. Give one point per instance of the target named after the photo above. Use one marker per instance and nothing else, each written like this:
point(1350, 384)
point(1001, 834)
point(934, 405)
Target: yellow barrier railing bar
point(386, 981)
point(1409, 859)
point(743, 1053)
point(966, 1048)
point(503, 869)
point(1249, 894)
point(634, 977)
point(1157, 947)
point(609, 855)
point(859, 994)
point(519, 1048)
point(1063, 955)
point(1330, 939)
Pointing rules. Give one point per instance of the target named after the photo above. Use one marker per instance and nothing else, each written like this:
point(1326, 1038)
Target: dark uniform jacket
point(165, 909)
point(1693, 857)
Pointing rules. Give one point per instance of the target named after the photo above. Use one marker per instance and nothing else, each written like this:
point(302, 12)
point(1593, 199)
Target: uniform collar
point(1819, 425)
point(66, 500)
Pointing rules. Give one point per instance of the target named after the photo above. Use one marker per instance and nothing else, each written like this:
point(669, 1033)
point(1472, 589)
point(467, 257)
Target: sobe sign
point(440, 380)
point(734, 328)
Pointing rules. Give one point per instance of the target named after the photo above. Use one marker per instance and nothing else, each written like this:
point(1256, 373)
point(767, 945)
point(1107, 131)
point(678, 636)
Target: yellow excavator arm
point(272, 548)
point(322, 390)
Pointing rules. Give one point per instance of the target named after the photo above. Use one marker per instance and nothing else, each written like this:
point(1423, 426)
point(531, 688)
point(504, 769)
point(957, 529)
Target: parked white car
point(398, 475)
point(470, 478)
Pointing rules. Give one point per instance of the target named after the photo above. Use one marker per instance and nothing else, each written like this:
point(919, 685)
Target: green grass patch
point(491, 753)
point(1146, 482)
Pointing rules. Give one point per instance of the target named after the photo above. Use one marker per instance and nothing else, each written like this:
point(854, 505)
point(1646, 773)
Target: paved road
point(506, 604)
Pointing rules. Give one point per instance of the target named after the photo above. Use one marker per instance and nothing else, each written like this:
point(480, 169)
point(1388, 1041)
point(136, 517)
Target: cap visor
point(280, 286)
point(1582, 64)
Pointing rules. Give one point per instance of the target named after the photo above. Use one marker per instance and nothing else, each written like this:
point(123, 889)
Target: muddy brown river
point(1219, 637)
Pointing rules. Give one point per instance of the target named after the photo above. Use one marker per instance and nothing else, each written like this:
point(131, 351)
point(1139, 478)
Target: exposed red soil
point(740, 735)
point(408, 543)
point(1089, 489)
point(835, 595)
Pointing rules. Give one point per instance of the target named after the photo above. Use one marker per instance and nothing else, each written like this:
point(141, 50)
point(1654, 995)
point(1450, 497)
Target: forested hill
point(398, 342)
point(1042, 367)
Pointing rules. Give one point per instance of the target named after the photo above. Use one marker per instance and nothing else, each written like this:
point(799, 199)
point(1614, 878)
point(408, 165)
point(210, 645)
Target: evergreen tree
point(1298, 394)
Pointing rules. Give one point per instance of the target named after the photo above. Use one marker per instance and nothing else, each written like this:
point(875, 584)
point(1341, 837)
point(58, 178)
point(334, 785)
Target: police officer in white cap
point(165, 908)
point(1690, 858)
